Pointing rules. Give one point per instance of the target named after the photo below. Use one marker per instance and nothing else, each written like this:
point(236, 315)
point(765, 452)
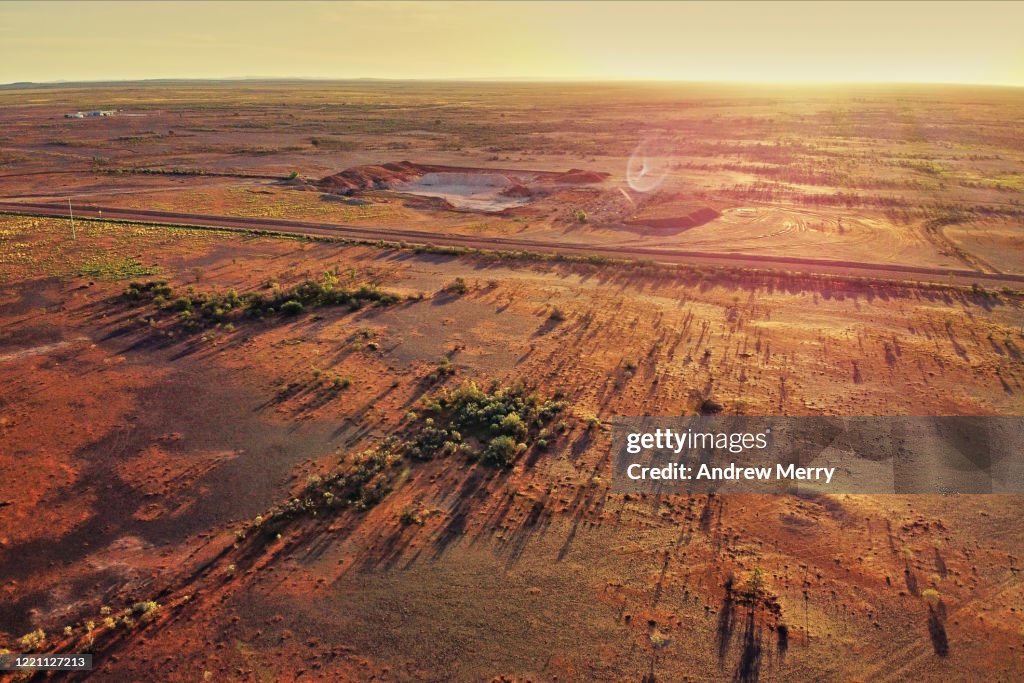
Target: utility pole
point(71, 213)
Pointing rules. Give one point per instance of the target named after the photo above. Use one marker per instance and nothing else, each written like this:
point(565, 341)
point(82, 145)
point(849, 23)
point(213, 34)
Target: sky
point(788, 42)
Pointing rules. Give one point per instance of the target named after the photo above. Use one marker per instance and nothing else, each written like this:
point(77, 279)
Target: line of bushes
point(492, 426)
point(199, 308)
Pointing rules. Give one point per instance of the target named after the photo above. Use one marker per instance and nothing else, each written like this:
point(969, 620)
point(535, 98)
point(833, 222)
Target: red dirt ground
point(142, 459)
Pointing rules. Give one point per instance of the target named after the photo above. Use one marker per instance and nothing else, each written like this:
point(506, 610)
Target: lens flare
point(648, 165)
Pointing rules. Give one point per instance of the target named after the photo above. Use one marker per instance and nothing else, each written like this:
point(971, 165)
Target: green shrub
point(147, 291)
point(145, 611)
point(182, 303)
point(220, 308)
point(291, 307)
point(476, 420)
point(500, 451)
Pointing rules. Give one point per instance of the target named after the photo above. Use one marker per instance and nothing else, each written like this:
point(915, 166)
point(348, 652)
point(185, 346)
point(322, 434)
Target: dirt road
point(882, 271)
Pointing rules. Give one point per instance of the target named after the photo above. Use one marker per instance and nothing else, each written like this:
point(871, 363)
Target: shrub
point(291, 307)
point(512, 424)
point(500, 451)
point(457, 286)
point(33, 640)
point(182, 303)
point(445, 367)
point(142, 291)
point(709, 407)
point(145, 611)
point(411, 516)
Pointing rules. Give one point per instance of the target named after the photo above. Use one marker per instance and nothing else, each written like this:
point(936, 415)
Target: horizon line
point(502, 79)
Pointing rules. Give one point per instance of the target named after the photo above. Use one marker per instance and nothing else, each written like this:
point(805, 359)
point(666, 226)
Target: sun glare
point(760, 42)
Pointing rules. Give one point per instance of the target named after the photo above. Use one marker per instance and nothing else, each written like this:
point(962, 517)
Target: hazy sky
point(969, 42)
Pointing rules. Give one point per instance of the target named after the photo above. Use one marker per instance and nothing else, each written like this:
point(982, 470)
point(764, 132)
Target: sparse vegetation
point(482, 493)
point(458, 286)
point(557, 315)
point(31, 642)
point(709, 406)
point(115, 268)
point(492, 427)
point(145, 611)
point(412, 515)
point(198, 309)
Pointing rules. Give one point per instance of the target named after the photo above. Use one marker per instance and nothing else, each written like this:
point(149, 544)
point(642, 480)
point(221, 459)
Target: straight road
point(789, 264)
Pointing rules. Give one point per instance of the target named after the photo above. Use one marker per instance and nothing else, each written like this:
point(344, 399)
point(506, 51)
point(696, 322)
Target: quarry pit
point(490, 190)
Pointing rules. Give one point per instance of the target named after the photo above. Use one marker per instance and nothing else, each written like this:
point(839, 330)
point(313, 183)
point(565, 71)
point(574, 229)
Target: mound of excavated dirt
point(676, 223)
point(673, 214)
point(371, 177)
point(576, 176)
